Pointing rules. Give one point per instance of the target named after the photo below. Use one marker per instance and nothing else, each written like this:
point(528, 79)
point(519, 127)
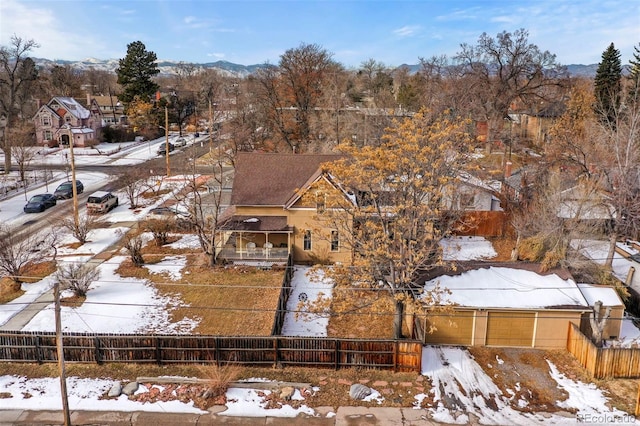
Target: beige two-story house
point(275, 203)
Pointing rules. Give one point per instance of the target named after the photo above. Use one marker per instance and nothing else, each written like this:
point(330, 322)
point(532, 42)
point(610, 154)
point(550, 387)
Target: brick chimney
point(507, 169)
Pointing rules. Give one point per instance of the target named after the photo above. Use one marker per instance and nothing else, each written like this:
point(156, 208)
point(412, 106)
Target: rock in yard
point(130, 388)
point(359, 391)
point(287, 392)
point(116, 390)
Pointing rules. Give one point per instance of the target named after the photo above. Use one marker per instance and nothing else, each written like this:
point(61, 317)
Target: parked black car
point(162, 149)
point(65, 190)
point(39, 203)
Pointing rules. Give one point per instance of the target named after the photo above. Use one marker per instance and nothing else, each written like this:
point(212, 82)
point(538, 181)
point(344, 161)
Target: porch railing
point(258, 253)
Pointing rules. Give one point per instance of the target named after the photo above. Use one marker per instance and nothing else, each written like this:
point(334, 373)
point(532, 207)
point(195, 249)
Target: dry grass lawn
point(241, 301)
point(10, 290)
point(234, 301)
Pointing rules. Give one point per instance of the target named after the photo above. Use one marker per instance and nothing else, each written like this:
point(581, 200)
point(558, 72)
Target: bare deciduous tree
point(17, 73)
point(133, 244)
point(22, 146)
point(135, 183)
point(18, 251)
point(605, 156)
point(292, 91)
point(205, 207)
point(76, 277)
point(504, 69)
point(80, 231)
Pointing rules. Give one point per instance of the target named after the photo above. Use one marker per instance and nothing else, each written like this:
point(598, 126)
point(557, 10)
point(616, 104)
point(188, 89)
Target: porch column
point(266, 245)
point(240, 245)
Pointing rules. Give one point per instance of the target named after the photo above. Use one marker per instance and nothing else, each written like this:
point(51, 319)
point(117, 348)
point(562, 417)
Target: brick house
point(62, 118)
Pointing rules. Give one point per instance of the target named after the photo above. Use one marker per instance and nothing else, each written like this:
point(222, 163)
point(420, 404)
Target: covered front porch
point(255, 239)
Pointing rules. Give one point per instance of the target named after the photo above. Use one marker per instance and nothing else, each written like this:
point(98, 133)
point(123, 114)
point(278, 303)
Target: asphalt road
point(181, 162)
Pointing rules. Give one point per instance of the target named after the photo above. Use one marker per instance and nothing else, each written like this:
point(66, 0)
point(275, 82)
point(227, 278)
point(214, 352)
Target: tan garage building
point(509, 307)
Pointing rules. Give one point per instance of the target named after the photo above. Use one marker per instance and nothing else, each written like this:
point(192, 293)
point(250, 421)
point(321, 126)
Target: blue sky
point(254, 32)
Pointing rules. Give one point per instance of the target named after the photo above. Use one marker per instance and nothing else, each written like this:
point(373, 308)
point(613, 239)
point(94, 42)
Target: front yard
point(227, 301)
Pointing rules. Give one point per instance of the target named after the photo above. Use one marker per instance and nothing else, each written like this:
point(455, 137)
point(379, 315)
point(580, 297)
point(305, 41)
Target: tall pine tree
point(608, 85)
point(135, 73)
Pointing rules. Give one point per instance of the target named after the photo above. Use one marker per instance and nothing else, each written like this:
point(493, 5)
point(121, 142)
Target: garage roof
point(508, 288)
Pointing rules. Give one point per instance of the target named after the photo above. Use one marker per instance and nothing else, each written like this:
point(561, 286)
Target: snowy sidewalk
point(343, 416)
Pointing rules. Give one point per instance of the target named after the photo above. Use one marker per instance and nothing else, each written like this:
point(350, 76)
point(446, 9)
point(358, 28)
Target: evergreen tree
point(135, 73)
point(634, 75)
point(608, 84)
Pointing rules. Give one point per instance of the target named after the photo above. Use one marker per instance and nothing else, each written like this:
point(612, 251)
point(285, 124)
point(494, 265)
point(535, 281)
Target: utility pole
point(74, 189)
point(210, 129)
point(60, 349)
point(166, 137)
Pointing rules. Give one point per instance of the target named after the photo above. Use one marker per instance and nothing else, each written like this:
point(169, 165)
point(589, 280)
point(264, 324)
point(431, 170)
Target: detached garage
point(505, 307)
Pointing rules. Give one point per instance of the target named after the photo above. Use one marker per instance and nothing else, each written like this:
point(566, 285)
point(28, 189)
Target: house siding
point(320, 235)
point(301, 220)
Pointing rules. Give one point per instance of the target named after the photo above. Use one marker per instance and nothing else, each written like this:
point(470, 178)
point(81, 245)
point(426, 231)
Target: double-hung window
point(307, 240)
point(335, 241)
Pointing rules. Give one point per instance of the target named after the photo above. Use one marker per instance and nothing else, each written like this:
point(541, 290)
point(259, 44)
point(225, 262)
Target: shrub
point(532, 249)
point(219, 378)
point(76, 277)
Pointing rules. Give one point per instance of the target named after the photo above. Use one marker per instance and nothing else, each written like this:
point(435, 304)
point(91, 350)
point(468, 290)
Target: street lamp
point(74, 188)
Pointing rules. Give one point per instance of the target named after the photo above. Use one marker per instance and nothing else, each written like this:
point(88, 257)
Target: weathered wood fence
point(40, 347)
point(285, 292)
point(603, 362)
point(483, 224)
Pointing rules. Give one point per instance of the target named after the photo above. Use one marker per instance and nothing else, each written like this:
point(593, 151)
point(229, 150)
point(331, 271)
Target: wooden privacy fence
point(285, 292)
point(603, 362)
point(482, 224)
point(397, 355)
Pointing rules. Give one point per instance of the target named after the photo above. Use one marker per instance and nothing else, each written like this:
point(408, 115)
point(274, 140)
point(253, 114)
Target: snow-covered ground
point(467, 248)
point(456, 378)
point(451, 370)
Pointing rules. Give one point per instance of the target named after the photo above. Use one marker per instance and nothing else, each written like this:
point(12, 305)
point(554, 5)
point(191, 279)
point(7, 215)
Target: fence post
point(337, 354)
point(638, 402)
point(97, 350)
point(275, 351)
point(217, 351)
point(38, 350)
point(395, 356)
point(158, 351)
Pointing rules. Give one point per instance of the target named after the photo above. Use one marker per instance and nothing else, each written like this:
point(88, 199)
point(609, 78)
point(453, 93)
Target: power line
point(512, 312)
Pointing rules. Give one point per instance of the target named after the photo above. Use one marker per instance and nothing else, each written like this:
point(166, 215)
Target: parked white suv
point(101, 202)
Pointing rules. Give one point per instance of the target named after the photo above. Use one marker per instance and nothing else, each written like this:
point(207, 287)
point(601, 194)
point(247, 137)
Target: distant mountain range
point(231, 69)
point(166, 67)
